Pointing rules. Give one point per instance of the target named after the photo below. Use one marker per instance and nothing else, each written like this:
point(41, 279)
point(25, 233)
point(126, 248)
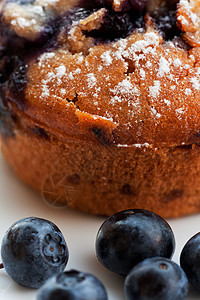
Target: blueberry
point(166, 24)
point(102, 3)
point(130, 236)
point(72, 285)
point(33, 250)
point(138, 4)
point(156, 279)
point(116, 25)
point(126, 5)
point(190, 260)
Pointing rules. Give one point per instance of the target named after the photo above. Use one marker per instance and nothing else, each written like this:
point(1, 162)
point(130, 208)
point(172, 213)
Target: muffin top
point(122, 72)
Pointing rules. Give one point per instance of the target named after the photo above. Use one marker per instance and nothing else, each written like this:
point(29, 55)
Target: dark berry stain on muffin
point(17, 84)
point(6, 124)
point(41, 132)
point(74, 179)
point(197, 136)
point(6, 67)
point(117, 25)
point(185, 147)
point(127, 190)
point(103, 137)
point(173, 195)
point(7, 119)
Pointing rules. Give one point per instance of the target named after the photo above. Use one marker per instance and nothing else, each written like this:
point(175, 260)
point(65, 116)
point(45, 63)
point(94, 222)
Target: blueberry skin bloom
point(72, 285)
point(190, 260)
point(130, 236)
point(33, 250)
point(156, 279)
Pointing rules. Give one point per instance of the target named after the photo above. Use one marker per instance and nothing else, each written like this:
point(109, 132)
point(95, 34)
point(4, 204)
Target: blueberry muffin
point(100, 102)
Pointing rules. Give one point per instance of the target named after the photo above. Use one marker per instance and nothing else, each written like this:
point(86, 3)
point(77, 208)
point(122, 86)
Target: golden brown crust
point(188, 19)
point(103, 179)
point(76, 41)
point(149, 89)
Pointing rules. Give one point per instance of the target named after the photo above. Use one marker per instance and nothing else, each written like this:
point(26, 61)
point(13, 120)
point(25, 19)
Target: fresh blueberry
point(130, 236)
point(190, 260)
point(33, 250)
point(72, 285)
point(156, 279)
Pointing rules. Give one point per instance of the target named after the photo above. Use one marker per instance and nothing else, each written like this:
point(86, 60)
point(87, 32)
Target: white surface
point(18, 201)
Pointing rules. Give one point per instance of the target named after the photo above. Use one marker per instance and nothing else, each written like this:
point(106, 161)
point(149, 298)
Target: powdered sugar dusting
point(167, 102)
point(125, 87)
point(154, 90)
point(45, 90)
point(22, 22)
point(177, 62)
point(44, 57)
point(63, 92)
point(188, 91)
point(196, 83)
point(106, 58)
point(141, 48)
point(147, 145)
point(61, 71)
point(187, 5)
point(140, 76)
point(95, 117)
point(164, 67)
point(125, 90)
point(155, 113)
point(91, 79)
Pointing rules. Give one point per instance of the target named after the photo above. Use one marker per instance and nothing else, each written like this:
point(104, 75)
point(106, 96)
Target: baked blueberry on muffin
point(104, 97)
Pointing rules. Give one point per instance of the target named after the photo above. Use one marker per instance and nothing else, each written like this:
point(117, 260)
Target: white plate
point(18, 201)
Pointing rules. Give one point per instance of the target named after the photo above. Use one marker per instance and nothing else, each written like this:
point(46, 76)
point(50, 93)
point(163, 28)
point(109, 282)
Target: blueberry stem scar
point(1, 266)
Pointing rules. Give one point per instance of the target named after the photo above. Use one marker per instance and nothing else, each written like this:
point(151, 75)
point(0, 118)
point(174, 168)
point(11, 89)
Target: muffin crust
point(114, 113)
